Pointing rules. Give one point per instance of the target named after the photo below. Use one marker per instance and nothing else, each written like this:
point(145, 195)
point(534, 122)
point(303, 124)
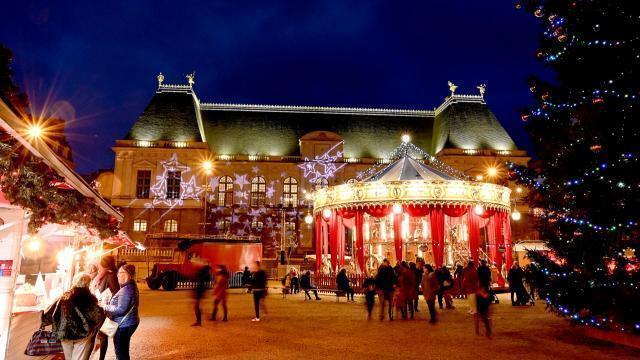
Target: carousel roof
point(408, 168)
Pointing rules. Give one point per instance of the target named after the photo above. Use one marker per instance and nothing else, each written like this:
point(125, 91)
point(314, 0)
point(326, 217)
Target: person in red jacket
point(220, 291)
point(470, 284)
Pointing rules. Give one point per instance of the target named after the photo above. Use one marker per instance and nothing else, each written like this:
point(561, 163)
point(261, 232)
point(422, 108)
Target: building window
point(258, 191)
point(290, 192)
point(289, 226)
point(143, 184)
point(223, 225)
point(171, 226)
point(322, 183)
point(225, 191)
point(139, 225)
point(173, 184)
point(257, 225)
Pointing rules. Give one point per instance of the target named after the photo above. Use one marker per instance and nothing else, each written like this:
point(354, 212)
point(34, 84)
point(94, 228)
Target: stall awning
point(14, 126)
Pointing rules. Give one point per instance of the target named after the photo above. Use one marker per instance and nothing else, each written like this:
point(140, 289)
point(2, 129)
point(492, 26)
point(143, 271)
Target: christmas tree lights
point(585, 182)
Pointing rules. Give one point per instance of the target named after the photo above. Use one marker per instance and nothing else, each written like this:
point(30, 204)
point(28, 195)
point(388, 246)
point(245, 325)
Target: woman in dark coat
point(76, 319)
point(107, 278)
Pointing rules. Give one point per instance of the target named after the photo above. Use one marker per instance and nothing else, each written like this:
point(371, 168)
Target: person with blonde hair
point(76, 319)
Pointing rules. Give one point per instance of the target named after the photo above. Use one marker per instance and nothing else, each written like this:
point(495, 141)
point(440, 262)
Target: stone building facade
point(255, 164)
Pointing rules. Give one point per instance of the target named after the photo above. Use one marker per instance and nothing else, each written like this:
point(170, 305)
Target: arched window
point(322, 183)
point(258, 191)
point(290, 192)
point(171, 226)
point(225, 191)
point(223, 225)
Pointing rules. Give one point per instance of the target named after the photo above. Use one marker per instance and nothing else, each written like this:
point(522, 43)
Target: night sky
point(97, 64)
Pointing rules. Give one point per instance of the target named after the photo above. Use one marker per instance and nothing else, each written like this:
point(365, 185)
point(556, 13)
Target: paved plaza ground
point(295, 329)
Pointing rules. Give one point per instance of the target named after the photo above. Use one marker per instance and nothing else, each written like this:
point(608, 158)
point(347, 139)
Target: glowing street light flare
point(492, 171)
point(406, 138)
point(35, 131)
point(519, 190)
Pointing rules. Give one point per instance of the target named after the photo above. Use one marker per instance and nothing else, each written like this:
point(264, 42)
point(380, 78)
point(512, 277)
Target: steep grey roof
point(175, 114)
point(232, 131)
point(407, 168)
point(169, 116)
point(469, 125)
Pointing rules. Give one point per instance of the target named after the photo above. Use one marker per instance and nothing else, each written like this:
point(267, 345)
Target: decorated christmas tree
point(586, 185)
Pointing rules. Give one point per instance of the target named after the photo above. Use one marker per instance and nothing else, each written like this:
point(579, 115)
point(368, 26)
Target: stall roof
point(14, 125)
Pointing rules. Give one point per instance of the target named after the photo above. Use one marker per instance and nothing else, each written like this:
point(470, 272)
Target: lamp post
point(207, 167)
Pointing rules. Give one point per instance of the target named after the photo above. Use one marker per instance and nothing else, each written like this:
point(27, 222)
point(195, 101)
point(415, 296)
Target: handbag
point(109, 327)
point(44, 342)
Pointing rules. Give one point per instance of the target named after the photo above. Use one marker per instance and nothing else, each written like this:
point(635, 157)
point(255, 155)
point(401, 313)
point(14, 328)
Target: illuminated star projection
point(188, 189)
point(323, 166)
point(241, 180)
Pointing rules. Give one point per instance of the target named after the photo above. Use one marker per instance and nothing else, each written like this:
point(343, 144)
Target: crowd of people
point(103, 299)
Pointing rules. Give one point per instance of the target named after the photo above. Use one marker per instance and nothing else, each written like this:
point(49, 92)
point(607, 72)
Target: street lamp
point(308, 219)
point(515, 215)
point(207, 167)
point(492, 171)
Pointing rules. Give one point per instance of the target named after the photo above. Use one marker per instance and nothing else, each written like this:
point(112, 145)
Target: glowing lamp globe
point(397, 209)
point(406, 138)
point(515, 215)
point(478, 209)
point(35, 244)
point(326, 214)
point(492, 171)
point(308, 219)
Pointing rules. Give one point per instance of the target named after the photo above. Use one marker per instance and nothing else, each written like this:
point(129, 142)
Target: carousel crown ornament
point(413, 208)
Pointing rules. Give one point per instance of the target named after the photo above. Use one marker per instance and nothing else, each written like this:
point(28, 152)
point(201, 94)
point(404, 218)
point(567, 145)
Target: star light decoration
point(188, 189)
point(323, 166)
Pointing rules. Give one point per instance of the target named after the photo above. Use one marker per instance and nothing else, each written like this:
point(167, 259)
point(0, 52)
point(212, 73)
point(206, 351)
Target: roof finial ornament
point(482, 88)
point(191, 78)
point(160, 79)
point(452, 88)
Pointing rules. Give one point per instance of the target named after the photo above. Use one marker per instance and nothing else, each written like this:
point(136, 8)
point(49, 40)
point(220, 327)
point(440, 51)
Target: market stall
point(38, 257)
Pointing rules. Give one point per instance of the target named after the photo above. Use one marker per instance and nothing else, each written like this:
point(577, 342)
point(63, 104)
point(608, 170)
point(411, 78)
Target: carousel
point(414, 208)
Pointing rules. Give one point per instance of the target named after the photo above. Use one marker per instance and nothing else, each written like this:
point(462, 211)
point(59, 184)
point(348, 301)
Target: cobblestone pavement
point(295, 329)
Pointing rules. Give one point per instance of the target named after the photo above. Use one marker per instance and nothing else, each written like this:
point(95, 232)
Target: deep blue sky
point(98, 63)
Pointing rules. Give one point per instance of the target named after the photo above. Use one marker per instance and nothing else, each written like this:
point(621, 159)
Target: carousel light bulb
point(397, 209)
point(478, 209)
point(515, 215)
point(406, 138)
point(479, 177)
point(326, 213)
point(308, 219)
